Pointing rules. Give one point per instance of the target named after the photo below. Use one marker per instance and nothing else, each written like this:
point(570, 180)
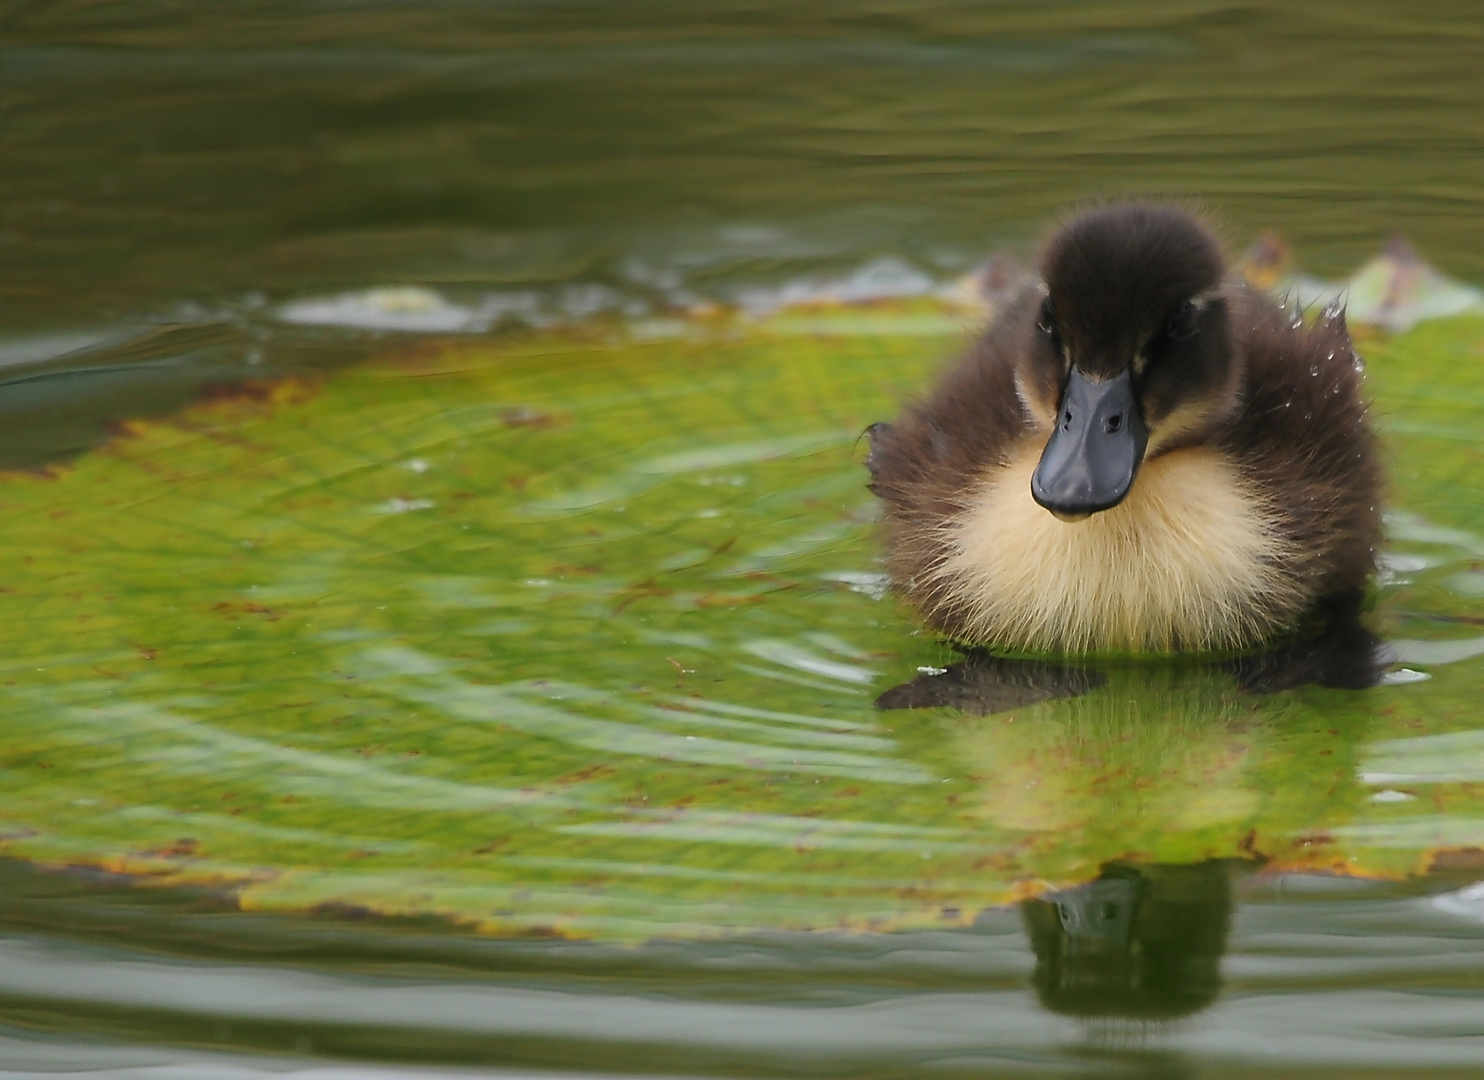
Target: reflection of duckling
point(1139, 942)
point(1139, 454)
point(1344, 655)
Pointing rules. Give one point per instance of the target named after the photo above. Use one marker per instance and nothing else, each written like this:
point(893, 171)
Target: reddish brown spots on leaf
point(341, 910)
point(1468, 859)
point(639, 592)
point(1001, 862)
point(256, 391)
point(586, 568)
point(592, 772)
point(232, 608)
point(680, 672)
point(712, 600)
point(273, 393)
point(185, 847)
point(769, 576)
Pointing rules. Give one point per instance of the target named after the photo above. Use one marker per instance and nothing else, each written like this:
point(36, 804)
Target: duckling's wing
point(1305, 444)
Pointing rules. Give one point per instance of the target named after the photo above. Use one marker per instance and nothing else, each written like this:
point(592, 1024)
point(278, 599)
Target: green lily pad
point(579, 633)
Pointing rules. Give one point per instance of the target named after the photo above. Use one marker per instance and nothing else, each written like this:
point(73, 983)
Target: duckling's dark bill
point(1095, 451)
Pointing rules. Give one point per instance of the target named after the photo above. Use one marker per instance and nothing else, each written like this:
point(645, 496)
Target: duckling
point(1140, 454)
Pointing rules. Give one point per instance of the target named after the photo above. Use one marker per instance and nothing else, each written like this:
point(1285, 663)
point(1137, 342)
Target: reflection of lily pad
point(580, 635)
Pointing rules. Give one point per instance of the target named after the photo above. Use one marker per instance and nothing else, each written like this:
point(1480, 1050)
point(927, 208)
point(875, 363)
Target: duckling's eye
point(1046, 320)
point(1184, 323)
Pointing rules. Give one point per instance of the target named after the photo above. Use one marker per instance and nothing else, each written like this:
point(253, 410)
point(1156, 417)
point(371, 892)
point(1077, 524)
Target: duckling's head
point(1131, 354)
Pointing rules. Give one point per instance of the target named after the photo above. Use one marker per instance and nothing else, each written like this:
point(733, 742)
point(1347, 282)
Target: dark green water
point(156, 154)
point(537, 474)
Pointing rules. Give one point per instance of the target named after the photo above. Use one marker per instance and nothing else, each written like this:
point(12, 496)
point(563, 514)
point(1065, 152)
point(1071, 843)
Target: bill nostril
point(1067, 420)
point(1114, 423)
